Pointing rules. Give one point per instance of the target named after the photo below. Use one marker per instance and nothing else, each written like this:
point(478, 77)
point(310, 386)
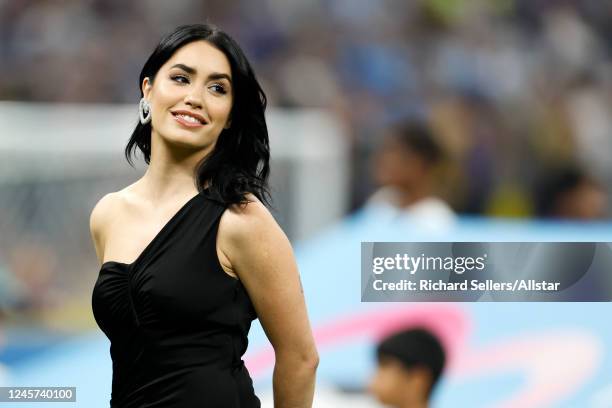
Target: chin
point(189, 140)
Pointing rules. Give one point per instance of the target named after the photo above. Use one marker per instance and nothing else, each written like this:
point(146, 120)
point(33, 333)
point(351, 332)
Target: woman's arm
point(256, 249)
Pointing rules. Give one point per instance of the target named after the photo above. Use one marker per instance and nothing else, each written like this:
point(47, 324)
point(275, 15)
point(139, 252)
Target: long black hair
point(239, 163)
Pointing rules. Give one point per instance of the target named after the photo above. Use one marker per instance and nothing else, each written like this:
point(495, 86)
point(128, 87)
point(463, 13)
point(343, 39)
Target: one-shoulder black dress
point(177, 323)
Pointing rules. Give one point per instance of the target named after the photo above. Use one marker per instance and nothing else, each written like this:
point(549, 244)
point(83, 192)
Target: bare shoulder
point(109, 206)
point(102, 215)
point(102, 211)
point(247, 221)
point(248, 231)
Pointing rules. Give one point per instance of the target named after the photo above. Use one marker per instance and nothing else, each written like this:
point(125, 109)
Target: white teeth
point(189, 118)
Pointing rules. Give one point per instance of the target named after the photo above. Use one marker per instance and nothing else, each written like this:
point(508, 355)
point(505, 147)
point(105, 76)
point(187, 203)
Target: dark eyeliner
point(174, 78)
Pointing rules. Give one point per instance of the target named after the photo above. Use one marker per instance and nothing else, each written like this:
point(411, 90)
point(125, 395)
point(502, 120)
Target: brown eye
point(180, 78)
point(219, 88)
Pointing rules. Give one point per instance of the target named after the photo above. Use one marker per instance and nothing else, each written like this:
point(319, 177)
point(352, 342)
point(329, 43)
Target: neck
point(171, 170)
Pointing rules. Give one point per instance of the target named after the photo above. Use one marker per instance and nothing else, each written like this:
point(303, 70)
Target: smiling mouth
point(188, 118)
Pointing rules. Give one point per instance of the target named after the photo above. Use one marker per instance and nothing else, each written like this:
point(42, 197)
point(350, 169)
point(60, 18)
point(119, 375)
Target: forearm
point(294, 382)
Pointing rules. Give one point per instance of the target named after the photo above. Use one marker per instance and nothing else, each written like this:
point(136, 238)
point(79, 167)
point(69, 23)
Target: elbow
point(310, 358)
point(312, 361)
point(308, 361)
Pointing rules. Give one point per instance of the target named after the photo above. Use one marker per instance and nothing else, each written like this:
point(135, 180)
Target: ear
point(228, 124)
point(146, 87)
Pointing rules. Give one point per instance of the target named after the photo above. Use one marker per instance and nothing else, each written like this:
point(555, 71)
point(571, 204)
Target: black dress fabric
point(177, 323)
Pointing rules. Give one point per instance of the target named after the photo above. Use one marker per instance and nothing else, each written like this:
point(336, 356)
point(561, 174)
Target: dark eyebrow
point(185, 68)
point(220, 75)
point(214, 75)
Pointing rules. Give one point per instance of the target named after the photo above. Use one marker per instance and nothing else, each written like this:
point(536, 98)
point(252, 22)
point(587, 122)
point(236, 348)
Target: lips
point(188, 118)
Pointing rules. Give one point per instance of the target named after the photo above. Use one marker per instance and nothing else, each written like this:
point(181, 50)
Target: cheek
point(220, 109)
point(167, 94)
point(382, 385)
point(162, 101)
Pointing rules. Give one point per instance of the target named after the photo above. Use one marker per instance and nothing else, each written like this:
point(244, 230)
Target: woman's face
point(191, 97)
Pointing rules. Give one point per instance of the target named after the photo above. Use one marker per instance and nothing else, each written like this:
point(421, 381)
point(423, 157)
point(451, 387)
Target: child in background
point(410, 364)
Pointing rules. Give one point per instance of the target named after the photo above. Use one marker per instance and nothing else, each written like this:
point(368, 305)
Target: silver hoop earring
point(144, 111)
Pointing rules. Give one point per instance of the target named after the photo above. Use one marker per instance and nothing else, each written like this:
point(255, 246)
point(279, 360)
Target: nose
point(194, 99)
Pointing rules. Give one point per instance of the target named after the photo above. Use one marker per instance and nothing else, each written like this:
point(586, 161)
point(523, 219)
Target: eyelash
point(176, 79)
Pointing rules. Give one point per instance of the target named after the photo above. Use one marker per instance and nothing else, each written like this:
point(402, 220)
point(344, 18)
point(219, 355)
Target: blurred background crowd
point(495, 108)
point(516, 91)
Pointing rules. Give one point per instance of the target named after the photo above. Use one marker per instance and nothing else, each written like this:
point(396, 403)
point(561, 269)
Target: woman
point(190, 255)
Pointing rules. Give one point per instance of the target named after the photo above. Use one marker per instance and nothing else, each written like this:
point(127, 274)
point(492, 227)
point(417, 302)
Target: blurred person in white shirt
point(404, 167)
